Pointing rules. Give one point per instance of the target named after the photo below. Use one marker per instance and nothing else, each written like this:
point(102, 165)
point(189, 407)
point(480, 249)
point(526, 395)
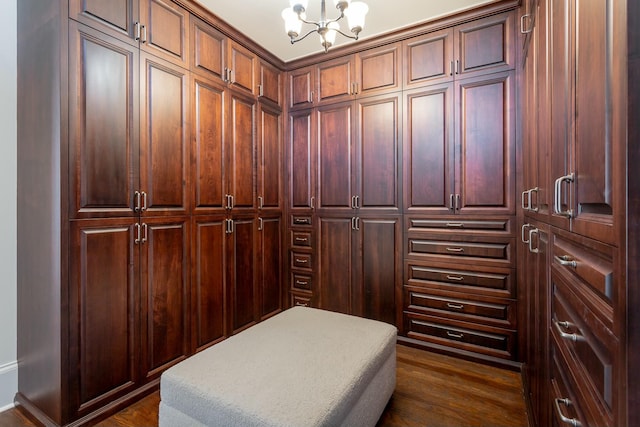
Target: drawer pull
point(301, 304)
point(454, 335)
point(566, 261)
point(573, 421)
point(302, 282)
point(455, 306)
point(458, 250)
point(563, 334)
point(301, 261)
point(305, 221)
point(301, 239)
point(456, 278)
point(455, 225)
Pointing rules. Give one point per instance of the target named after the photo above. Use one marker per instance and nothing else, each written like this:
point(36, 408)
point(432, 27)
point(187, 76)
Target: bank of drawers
point(301, 260)
point(460, 284)
point(584, 366)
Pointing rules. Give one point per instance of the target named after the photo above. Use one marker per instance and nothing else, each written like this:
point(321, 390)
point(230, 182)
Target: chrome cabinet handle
point(144, 201)
point(301, 261)
point(522, 233)
point(565, 335)
point(455, 306)
point(531, 248)
point(144, 233)
point(136, 240)
point(455, 225)
point(136, 196)
point(358, 223)
point(313, 199)
point(454, 335)
point(144, 33)
point(522, 199)
point(573, 421)
point(566, 261)
point(455, 278)
point(457, 66)
point(301, 239)
point(229, 228)
point(531, 208)
point(458, 250)
point(451, 202)
point(451, 68)
point(260, 224)
point(137, 31)
point(302, 283)
point(457, 202)
point(557, 197)
point(357, 202)
point(522, 18)
point(260, 202)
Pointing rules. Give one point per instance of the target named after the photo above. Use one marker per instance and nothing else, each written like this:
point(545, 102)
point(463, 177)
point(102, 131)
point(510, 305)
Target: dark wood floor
point(431, 390)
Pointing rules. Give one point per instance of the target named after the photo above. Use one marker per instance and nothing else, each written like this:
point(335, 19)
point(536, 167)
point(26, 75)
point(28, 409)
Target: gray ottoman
point(303, 367)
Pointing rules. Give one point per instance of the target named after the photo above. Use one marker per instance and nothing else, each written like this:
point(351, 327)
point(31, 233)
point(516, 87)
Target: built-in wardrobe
point(178, 184)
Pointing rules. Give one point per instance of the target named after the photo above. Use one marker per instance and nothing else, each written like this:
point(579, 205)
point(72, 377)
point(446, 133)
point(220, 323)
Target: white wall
point(8, 195)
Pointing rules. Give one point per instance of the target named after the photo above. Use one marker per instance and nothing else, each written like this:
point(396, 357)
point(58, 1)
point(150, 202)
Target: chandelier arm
point(347, 35)
point(336, 20)
point(304, 37)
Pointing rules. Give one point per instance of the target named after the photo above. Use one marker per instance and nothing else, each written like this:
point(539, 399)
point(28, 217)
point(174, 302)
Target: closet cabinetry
point(574, 188)
point(153, 190)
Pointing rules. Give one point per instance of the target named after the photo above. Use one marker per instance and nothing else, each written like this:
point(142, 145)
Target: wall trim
point(8, 384)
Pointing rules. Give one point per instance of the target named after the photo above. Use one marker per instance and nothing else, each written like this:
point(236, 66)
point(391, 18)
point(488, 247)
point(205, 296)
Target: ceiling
point(260, 20)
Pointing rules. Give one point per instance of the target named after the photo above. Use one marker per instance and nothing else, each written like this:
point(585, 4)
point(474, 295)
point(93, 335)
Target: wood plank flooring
point(431, 390)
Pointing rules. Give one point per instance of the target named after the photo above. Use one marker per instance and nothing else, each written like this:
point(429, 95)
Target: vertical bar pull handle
point(137, 31)
point(136, 203)
point(523, 233)
point(260, 224)
point(145, 230)
point(457, 66)
point(557, 199)
point(571, 421)
point(531, 248)
point(451, 202)
point(451, 68)
point(522, 19)
point(312, 202)
point(260, 202)
point(457, 202)
point(144, 34)
point(144, 201)
point(136, 240)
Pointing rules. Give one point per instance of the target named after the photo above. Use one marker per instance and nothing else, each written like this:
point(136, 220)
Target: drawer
point(301, 299)
point(301, 281)
point(301, 260)
point(588, 261)
point(498, 312)
point(484, 281)
point(462, 335)
point(301, 239)
point(477, 251)
point(564, 405)
point(301, 220)
point(455, 225)
point(587, 345)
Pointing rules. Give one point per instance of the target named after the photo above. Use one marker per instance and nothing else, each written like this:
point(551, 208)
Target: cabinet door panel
point(301, 159)
point(429, 149)
point(381, 271)
point(270, 82)
point(208, 49)
point(429, 58)
point(379, 153)
point(166, 30)
point(164, 146)
point(301, 87)
point(335, 156)
point(208, 120)
point(115, 17)
point(593, 189)
point(243, 65)
point(335, 79)
point(208, 281)
point(242, 150)
point(269, 157)
point(165, 286)
point(379, 69)
point(271, 276)
point(485, 145)
point(103, 118)
point(103, 298)
point(242, 274)
point(335, 269)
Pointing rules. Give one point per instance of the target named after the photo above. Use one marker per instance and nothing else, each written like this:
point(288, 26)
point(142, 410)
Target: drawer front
point(492, 251)
point(564, 405)
point(490, 311)
point(301, 220)
point(301, 281)
point(495, 282)
point(301, 299)
point(462, 335)
point(301, 239)
point(301, 260)
point(588, 261)
point(587, 344)
point(457, 226)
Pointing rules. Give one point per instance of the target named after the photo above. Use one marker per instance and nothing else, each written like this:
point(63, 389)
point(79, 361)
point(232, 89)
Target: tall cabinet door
point(485, 147)
point(241, 150)
point(271, 277)
point(103, 301)
point(242, 243)
point(378, 154)
point(103, 129)
point(301, 157)
point(164, 277)
point(335, 157)
point(164, 137)
point(429, 149)
point(208, 278)
point(116, 18)
point(209, 172)
point(269, 158)
point(335, 253)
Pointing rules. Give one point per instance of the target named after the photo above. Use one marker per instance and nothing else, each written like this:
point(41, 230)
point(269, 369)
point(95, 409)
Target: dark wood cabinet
point(243, 67)
point(301, 87)
point(242, 272)
point(269, 83)
point(270, 158)
point(270, 266)
point(208, 50)
point(117, 19)
point(241, 151)
point(163, 30)
point(301, 159)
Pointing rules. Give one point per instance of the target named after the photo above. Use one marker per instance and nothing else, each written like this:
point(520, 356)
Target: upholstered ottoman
point(303, 367)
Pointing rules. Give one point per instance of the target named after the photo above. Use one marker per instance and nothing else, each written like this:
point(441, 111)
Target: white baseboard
point(8, 385)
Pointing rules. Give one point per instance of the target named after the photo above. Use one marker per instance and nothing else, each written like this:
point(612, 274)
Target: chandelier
point(295, 16)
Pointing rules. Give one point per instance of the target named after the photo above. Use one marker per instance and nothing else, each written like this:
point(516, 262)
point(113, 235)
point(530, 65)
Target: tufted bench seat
point(303, 367)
